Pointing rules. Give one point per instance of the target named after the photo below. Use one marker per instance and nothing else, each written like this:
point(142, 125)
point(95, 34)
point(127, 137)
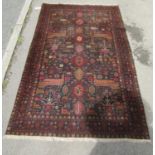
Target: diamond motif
point(79, 74)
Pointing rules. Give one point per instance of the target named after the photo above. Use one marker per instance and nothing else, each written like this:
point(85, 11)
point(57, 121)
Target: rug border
point(76, 5)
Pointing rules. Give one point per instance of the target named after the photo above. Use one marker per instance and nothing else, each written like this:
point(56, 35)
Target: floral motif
point(79, 38)
point(78, 61)
point(79, 21)
point(79, 48)
point(78, 90)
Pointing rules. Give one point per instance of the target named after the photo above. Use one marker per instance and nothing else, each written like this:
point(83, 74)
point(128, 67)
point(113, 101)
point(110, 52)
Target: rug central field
point(79, 79)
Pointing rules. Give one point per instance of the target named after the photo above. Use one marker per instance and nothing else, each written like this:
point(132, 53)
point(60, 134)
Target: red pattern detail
point(78, 90)
point(78, 108)
point(79, 61)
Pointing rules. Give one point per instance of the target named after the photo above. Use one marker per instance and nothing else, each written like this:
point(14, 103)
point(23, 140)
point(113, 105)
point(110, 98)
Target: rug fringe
point(75, 139)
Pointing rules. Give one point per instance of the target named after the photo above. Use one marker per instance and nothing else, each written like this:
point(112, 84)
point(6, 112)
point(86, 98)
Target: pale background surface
point(11, 10)
point(137, 16)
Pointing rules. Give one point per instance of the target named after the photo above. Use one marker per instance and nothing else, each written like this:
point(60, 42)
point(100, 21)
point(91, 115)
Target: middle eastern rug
point(79, 79)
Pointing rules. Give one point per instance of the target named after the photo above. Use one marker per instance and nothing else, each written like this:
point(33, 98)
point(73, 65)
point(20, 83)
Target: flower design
point(79, 48)
point(79, 38)
point(79, 14)
point(79, 21)
point(78, 90)
point(78, 61)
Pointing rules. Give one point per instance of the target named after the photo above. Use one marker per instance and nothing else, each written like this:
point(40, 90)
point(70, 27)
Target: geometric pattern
point(79, 79)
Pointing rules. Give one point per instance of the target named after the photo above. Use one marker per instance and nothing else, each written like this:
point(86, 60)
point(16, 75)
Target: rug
point(79, 79)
